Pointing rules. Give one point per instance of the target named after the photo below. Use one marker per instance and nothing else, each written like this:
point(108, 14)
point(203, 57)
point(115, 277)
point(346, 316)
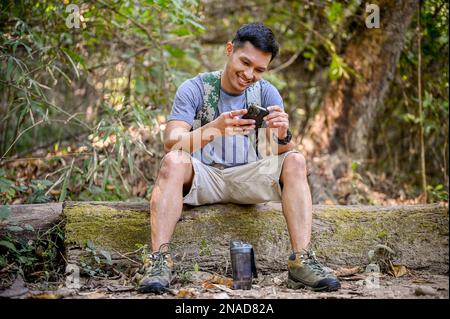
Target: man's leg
point(304, 270)
point(176, 174)
point(166, 205)
point(296, 200)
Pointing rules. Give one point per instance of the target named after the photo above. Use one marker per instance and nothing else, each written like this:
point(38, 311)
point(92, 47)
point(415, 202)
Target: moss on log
point(342, 235)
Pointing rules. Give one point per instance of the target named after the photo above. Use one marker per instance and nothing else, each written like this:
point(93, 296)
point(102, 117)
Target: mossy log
point(342, 235)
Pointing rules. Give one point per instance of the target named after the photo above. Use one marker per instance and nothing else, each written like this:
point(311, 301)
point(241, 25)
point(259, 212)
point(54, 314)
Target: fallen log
point(342, 235)
point(41, 217)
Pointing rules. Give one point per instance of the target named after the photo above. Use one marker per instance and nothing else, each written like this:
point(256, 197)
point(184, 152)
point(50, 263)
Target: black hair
point(259, 35)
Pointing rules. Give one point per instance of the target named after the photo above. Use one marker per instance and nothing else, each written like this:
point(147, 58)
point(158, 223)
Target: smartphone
point(256, 113)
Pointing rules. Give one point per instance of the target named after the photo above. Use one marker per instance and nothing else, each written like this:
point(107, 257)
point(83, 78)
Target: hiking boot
point(158, 272)
point(305, 271)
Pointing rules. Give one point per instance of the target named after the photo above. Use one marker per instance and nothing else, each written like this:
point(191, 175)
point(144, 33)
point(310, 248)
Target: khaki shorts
point(252, 183)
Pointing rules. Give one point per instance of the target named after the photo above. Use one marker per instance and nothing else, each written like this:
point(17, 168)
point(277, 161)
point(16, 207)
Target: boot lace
point(158, 261)
point(310, 259)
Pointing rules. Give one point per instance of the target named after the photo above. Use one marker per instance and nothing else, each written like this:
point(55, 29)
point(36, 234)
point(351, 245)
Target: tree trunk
point(342, 235)
point(351, 104)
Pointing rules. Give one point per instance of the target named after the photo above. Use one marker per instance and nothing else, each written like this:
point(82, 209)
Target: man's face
point(245, 66)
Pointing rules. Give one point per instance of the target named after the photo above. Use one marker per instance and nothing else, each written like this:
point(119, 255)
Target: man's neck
point(225, 84)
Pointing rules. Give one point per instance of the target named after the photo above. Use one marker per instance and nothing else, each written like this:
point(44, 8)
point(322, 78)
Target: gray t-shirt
point(230, 150)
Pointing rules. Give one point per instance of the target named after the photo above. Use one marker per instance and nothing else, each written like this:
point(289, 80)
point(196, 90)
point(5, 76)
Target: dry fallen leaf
point(398, 270)
point(344, 272)
point(186, 293)
point(216, 279)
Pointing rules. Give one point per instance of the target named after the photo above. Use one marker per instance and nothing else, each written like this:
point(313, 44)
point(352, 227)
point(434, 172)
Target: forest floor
point(203, 285)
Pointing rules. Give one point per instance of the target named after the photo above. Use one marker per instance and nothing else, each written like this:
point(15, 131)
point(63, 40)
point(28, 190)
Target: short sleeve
point(187, 102)
point(270, 95)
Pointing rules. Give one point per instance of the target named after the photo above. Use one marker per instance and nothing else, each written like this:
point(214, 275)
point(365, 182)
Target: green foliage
point(45, 65)
point(184, 276)
point(204, 248)
point(97, 263)
point(33, 193)
point(7, 192)
point(337, 68)
point(26, 54)
point(355, 166)
point(438, 193)
point(39, 188)
point(196, 267)
point(335, 14)
point(41, 255)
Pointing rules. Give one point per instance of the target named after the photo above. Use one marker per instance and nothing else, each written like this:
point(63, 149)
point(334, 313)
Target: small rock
point(278, 281)
point(372, 268)
point(425, 290)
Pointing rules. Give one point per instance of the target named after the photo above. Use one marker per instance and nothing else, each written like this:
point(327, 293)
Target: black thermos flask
point(242, 264)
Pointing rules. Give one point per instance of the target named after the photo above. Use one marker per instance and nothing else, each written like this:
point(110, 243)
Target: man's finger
point(240, 122)
point(275, 108)
point(279, 124)
point(278, 120)
point(274, 115)
point(238, 112)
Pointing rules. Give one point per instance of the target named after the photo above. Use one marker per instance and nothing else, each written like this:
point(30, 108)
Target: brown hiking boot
point(305, 271)
point(159, 269)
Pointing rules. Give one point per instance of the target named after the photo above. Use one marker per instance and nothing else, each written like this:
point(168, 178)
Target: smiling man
point(215, 156)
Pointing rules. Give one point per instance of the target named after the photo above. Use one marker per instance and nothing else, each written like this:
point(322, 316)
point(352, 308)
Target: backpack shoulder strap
point(211, 87)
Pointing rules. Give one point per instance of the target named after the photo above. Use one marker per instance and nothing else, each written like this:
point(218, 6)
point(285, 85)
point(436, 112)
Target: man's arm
point(277, 124)
point(280, 149)
point(178, 136)
point(274, 147)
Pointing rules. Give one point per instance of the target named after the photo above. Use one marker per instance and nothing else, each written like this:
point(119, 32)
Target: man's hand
point(230, 123)
point(278, 119)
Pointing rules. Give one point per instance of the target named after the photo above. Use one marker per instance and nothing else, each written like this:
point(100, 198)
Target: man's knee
point(174, 163)
point(294, 164)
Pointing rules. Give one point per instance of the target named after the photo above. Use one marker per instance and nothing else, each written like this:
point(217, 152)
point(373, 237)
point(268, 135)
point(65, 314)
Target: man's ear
point(229, 48)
